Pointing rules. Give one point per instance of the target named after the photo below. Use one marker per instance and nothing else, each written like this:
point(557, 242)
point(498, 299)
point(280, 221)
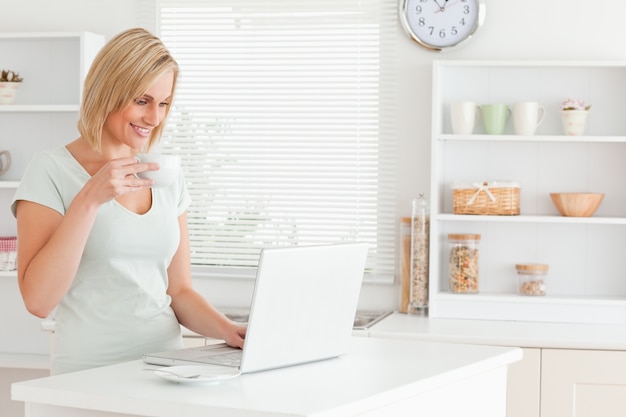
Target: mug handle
point(4, 166)
point(477, 114)
point(542, 112)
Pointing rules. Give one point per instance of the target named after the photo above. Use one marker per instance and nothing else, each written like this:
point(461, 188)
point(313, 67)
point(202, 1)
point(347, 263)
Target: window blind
point(284, 120)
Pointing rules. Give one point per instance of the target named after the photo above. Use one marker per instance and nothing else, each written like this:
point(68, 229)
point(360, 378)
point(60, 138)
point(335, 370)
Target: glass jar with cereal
point(420, 231)
point(463, 262)
point(531, 279)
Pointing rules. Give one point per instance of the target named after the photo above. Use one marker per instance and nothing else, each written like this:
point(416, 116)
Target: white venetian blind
point(284, 120)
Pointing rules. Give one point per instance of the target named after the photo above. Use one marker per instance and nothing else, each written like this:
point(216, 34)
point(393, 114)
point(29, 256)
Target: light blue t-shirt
point(116, 308)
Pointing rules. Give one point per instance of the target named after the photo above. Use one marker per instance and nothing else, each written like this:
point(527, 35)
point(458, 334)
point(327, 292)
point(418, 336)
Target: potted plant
point(574, 116)
point(9, 82)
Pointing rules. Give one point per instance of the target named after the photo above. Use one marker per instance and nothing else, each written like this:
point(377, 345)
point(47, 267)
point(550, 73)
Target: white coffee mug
point(166, 174)
point(527, 116)
point(5, 161)
point(464, 115)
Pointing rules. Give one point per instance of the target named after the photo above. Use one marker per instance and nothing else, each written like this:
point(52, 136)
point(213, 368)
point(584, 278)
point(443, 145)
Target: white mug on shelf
point(527, 116)
point(5, 161)
point(464, 115)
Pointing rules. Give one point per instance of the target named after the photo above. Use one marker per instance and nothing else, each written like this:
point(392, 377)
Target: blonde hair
point(123, 70)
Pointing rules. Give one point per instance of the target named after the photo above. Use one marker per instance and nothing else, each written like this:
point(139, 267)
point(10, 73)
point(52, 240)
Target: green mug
point(495, 117)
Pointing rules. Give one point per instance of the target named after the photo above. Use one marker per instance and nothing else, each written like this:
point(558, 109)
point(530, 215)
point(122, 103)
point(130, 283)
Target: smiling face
point(132, 126)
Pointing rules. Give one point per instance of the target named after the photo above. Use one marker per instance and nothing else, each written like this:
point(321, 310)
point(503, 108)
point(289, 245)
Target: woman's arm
point(191, 309)
point(50, 245)
point(49, 250)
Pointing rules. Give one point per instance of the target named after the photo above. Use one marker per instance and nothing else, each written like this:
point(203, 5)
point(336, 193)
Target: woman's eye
point(141, 101)
point(164, 104)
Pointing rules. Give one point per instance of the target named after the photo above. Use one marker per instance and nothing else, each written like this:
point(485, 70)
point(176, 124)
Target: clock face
point(437, 24)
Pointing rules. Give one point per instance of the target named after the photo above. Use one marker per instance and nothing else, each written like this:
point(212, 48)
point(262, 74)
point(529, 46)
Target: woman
point(95, 241)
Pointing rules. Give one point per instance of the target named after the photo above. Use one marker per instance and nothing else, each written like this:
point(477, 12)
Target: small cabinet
point(585, 282)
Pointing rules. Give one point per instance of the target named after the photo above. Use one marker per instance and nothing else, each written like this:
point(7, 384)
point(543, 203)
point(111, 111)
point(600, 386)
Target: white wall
point(513, 29)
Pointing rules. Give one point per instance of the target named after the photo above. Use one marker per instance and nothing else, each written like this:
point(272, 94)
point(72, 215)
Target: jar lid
point(470, 236)
point(405, 219)
point(531, 267)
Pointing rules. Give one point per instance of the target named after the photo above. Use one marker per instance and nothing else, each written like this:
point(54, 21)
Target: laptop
point(303, 307)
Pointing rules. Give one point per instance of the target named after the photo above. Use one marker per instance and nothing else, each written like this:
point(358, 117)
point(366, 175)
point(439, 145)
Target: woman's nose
point(152, 115)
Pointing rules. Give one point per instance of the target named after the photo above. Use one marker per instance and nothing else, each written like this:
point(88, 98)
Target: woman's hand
point(191, 308)
point(117, 177)
point(235, 335)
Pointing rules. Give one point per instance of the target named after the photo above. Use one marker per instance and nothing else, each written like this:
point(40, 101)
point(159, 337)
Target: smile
point(141, 130)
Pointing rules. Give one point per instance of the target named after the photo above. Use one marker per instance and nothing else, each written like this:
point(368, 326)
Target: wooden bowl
point(577, 204)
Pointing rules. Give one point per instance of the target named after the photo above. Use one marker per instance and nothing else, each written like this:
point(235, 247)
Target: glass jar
point(531, 279)
point(405, 263)
point(463, 262)
point(420, 230)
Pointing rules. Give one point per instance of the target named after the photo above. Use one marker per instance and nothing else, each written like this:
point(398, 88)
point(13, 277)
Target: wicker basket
point(494, 198)
point(8, 253)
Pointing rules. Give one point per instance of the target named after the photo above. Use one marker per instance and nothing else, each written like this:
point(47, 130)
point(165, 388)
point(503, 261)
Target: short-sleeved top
point(116, 308)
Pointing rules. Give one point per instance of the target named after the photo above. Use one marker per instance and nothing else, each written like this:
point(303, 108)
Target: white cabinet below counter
point(566, 369)
point(583, 383)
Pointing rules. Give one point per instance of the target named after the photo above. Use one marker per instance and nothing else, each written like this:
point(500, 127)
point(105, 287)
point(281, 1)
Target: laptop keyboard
point(231, 359)
point(225, 355)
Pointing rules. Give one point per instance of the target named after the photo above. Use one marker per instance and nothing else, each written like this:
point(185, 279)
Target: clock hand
point(441, 8)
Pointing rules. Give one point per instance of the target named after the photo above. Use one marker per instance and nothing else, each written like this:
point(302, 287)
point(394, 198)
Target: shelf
point(43, 35)
point(546, 309)
point(39, 108)
point(9, 274)
point(529, 64)
point(529, 219)
point(43, 56)
point(536, 300)
point(534, 138)
point(9, 184)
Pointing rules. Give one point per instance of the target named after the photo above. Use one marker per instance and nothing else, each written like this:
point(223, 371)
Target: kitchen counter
point(378, 377)
point(502, 333)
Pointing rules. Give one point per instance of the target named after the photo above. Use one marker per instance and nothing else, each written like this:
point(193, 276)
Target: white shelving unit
point(587, 278)
point(44, 115)
point(45, 112)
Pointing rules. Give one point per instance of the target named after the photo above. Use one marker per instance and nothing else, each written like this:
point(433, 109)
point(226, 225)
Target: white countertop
point(375, 373)
point(483, 332)
point(502, 333)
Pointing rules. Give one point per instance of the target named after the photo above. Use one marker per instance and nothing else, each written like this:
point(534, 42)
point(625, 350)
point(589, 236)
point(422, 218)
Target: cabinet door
point(583, 383)
point(523, 385)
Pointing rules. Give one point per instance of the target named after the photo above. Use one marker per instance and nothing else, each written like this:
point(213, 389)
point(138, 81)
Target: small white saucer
point(197, 374)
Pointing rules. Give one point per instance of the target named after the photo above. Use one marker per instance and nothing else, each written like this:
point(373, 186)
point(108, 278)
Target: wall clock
point(441, 24)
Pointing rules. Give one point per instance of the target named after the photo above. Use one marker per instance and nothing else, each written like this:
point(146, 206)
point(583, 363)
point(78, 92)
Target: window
point(284, 120)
